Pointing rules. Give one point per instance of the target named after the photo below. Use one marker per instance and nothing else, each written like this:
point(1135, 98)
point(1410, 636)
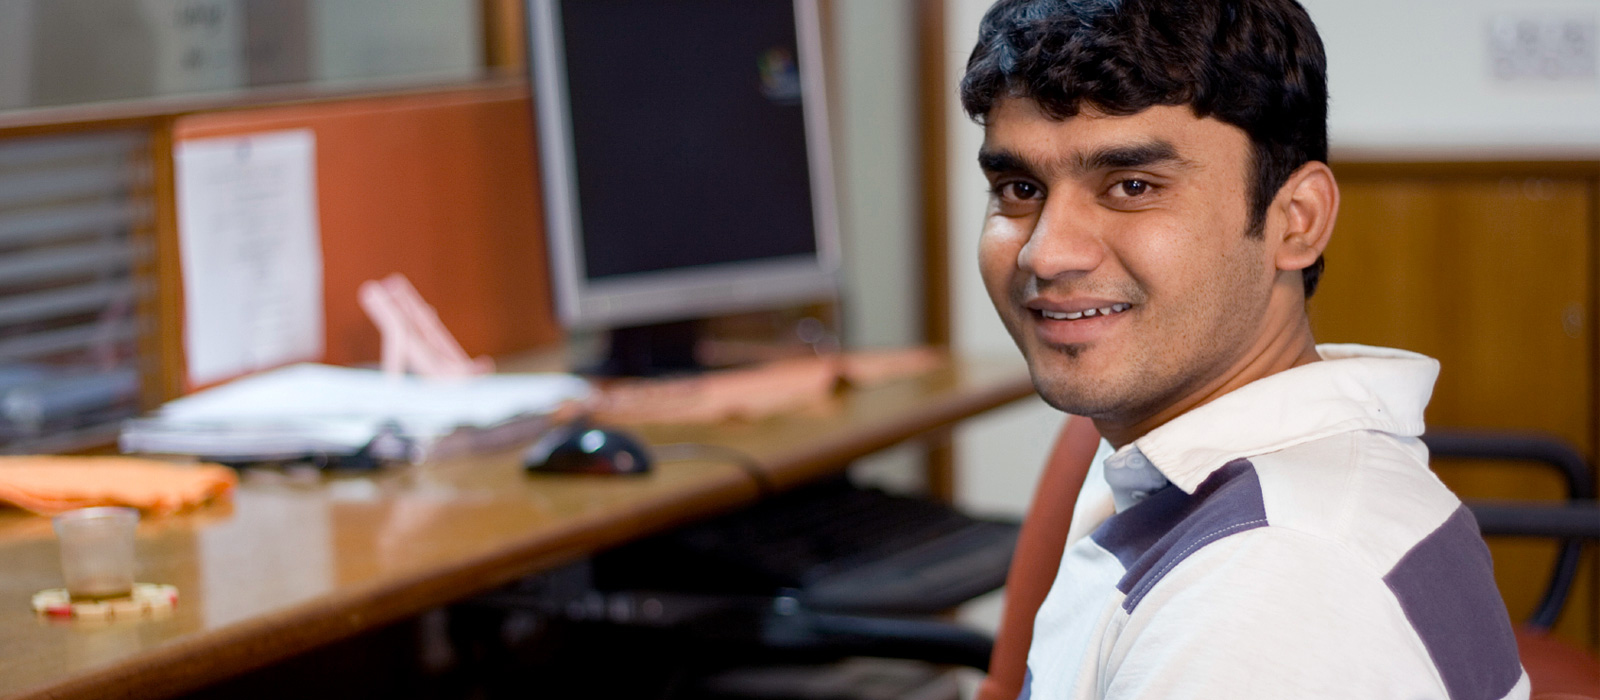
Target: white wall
point(378, 39)
point(1416, 77)
point(875, 157)
point(876, 140)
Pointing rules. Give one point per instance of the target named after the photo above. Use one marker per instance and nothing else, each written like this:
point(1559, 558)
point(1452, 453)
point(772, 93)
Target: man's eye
point(1132, 188)
point(1018, 190)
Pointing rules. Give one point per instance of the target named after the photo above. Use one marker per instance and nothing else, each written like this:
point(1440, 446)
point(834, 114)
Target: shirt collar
point(1355, 387)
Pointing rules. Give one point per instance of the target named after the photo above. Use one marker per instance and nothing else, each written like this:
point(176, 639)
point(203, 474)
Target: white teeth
point(1086, 313)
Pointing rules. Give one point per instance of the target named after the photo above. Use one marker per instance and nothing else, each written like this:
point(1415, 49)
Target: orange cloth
point(53, 484)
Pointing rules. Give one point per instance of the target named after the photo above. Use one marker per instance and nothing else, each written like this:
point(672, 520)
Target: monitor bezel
point(689, 293)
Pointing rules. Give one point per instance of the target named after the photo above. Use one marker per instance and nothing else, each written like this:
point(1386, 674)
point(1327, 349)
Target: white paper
point(422, 405)
point(319, 408)
point(251, 252)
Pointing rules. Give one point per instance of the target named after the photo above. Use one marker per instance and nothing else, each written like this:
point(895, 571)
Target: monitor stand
point(652, 350)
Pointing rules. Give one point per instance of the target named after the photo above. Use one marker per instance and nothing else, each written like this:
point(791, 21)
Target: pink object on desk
point(414, 338)
point(755, 393)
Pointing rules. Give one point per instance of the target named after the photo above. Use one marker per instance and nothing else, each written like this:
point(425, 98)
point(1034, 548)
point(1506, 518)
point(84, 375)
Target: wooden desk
point(289, 567)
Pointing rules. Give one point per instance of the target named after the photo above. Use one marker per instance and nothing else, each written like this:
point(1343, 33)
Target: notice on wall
point(251, 253)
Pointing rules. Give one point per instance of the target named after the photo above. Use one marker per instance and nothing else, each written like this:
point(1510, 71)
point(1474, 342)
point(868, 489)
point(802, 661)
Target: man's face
point(1116, 252)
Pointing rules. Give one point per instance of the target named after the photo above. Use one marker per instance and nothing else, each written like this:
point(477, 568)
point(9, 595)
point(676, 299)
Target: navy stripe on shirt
point(1153, 537)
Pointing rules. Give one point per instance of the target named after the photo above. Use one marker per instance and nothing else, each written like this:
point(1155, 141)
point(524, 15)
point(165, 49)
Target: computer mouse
point(580, 448)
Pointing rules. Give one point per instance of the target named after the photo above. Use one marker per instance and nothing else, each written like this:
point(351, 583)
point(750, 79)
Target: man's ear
point(1309, 203)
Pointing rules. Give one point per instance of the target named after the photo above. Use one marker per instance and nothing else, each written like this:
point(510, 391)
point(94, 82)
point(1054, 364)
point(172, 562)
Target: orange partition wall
point(441, 187)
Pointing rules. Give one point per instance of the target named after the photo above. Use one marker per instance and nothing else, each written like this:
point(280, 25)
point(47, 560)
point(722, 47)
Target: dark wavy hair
point(1255, 64)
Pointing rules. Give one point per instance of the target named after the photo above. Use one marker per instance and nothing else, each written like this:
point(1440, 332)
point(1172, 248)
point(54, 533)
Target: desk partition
point(440, 187)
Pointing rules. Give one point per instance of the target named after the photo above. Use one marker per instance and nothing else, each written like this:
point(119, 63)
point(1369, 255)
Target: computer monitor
point(685, 158)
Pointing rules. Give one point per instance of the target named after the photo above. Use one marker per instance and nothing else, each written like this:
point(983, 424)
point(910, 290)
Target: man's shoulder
point(1355, 524)
point(1367, 499)
point(1372, 495)
point(1369, 493)
point(1305, 610)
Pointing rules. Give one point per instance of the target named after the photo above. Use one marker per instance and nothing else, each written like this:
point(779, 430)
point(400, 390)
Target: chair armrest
point(1548, 450)
point(1571, 524)
point(1519, 518)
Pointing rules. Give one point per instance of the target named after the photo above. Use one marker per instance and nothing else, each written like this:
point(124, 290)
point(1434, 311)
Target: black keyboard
point(833, 546)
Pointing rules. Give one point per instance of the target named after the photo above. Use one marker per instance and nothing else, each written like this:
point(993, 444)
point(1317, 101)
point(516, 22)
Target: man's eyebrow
point(1140, 155)
point(1001, 161)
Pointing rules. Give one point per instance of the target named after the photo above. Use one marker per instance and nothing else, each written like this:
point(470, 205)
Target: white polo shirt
point(1286, 540)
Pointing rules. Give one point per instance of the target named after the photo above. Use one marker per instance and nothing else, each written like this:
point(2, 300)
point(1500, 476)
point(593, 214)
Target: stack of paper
point(309, 409)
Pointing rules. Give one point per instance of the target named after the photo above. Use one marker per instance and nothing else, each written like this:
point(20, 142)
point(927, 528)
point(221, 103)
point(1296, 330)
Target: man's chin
point(1079, 379)
point(1079, 398)
point(1063, 362)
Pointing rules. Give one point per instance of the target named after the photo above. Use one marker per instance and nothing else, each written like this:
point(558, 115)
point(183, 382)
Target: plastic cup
point(97, 551)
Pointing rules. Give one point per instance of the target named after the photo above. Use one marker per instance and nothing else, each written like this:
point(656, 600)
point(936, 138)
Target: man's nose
point(1064, 241)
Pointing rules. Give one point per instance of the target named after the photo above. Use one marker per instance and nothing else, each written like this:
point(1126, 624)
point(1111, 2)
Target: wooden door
point(1493, 274)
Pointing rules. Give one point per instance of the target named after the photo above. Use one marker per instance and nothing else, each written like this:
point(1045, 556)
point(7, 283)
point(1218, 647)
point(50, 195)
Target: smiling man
point(1266, 526)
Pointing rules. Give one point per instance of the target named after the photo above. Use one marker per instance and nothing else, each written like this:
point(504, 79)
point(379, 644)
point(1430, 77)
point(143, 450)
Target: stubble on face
point(1191, 340)
point(1197, 282)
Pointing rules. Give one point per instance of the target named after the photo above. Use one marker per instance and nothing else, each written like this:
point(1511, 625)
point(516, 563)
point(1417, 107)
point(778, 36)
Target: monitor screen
point(685, 157)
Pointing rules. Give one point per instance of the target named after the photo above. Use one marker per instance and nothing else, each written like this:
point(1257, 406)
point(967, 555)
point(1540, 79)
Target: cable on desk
point(684, 451)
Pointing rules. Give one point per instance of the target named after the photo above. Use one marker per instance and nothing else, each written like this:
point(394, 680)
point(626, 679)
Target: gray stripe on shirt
point(1153, 537)
point(1445, 585)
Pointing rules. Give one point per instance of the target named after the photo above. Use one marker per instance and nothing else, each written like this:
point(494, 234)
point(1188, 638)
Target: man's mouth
point(1086, 313)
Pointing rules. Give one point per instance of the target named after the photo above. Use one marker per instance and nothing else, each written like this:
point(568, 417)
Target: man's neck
point(1292, 347)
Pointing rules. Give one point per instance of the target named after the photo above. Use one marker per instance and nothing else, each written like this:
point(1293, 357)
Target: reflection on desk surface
point(291, 565)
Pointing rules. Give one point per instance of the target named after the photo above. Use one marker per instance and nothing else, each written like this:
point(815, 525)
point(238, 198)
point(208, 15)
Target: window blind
point(75, 218)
